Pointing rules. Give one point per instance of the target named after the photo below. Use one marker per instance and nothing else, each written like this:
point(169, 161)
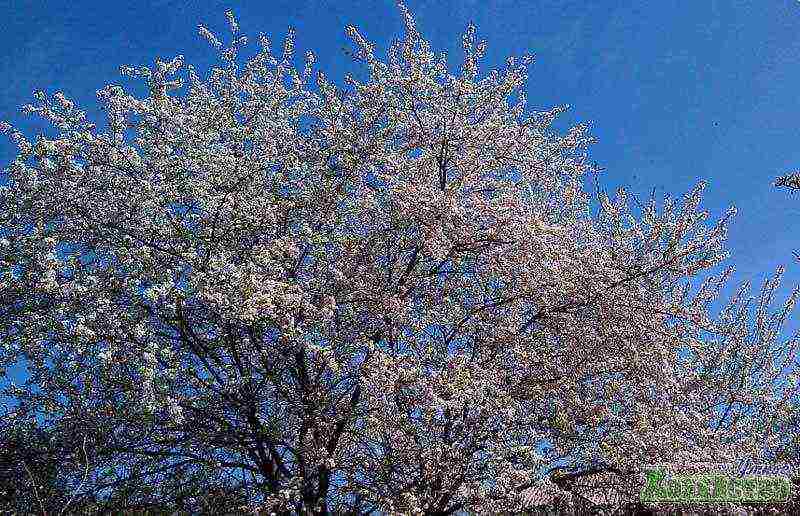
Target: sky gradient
point(676, 91)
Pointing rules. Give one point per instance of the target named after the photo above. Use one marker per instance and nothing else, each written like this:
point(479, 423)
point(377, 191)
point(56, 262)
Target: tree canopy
point(261, 290)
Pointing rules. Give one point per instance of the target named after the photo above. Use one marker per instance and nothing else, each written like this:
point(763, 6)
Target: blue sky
point(677, 91)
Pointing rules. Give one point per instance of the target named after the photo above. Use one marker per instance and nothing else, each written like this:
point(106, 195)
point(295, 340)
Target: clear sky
point(678, 90)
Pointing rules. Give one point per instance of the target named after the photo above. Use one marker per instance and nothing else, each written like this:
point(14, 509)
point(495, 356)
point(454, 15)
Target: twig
point(35, 491)
point(85, 476)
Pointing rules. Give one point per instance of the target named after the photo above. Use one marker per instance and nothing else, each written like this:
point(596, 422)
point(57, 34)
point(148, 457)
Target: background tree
point(396, 296)
point(791, 182)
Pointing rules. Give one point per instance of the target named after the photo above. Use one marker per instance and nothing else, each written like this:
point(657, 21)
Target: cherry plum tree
point(397, 295)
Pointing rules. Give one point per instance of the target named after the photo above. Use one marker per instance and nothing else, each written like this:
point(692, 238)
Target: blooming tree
point(393, 296)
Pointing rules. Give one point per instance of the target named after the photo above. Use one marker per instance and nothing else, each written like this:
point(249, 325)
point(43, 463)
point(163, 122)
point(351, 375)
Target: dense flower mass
point(396, 296)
